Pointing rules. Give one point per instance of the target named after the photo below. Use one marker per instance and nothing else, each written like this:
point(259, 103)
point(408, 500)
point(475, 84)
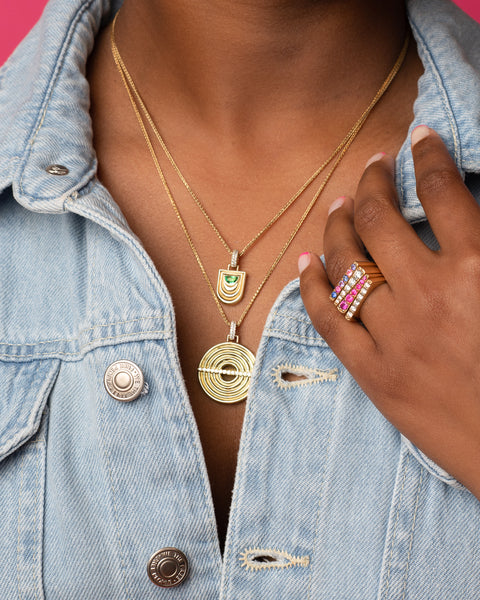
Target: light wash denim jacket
point(91, 487)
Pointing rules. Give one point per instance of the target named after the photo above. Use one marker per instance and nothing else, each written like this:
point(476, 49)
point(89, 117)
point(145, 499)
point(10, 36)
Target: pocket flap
point(24, 390)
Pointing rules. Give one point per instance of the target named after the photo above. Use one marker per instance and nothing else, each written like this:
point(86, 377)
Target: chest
point(188, 252)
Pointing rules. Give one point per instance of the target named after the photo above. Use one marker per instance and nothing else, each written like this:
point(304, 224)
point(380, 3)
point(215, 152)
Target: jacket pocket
point(24, 391)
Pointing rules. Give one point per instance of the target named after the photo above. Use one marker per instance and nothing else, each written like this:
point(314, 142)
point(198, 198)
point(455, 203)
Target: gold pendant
point(230, 285)
point(224, 372)
point(231, 282)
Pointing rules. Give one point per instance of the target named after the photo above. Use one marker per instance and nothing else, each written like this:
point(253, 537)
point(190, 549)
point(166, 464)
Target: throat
point(246, 66)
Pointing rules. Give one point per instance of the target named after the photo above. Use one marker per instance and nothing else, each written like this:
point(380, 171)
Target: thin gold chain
point(352, 133)
point(338, 154)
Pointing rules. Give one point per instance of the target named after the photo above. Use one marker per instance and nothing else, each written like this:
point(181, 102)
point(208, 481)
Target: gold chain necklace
point(225, 369)
point(231, 281)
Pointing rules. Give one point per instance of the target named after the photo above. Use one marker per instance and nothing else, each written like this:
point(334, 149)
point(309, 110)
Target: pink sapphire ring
point(359, 280)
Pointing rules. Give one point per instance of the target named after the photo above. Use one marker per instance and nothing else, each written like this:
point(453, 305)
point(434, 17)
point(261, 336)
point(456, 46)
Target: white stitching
point(310, 375)
point(387, 582)
point(20, 496)
point(281, 559)
point(405, 578)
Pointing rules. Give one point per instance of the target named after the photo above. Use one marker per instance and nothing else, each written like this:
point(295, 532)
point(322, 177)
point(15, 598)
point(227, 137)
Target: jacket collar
point(50, 124)
point(44, 104)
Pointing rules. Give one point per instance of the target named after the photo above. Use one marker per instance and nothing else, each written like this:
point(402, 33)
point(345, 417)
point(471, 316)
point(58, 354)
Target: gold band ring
point(350, 292)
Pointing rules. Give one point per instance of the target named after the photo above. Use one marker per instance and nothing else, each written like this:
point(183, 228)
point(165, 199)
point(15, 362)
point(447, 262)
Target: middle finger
point(388, 238)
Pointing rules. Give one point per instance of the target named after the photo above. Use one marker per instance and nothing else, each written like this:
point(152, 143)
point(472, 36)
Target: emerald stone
point(231, 278)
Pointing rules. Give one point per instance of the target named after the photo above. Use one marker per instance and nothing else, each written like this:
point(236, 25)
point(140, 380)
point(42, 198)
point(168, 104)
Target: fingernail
point(374, 158)
point(419, 133)
point(336, 204)
point(303, 261)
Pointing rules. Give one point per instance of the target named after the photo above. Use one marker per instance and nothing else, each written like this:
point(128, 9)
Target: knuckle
point(337, 261)
point(435, 302)
point(435, 180)
point(371, 212)
point(469, 266)
point(328, 326)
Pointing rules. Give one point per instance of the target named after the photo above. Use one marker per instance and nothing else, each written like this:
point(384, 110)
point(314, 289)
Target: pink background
point(18, 16)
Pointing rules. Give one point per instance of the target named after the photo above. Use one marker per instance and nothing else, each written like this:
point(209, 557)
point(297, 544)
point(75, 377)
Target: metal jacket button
point(124, 380)
point(168, 567)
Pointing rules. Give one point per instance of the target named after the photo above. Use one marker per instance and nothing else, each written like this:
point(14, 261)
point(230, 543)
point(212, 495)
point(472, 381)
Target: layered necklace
point(225, 369)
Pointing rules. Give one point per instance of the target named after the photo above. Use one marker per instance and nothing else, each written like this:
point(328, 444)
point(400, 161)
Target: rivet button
point(57, 170)
point(124, 380)
point(168, 567)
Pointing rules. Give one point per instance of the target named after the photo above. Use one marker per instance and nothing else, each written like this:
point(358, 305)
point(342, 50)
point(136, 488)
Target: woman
point(122, 424)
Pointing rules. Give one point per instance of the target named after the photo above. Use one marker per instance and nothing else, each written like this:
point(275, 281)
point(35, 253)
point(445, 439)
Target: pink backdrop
point(18, 16)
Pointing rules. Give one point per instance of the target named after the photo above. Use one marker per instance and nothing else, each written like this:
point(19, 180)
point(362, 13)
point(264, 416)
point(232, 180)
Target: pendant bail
point(234, 260)
point(232, 336)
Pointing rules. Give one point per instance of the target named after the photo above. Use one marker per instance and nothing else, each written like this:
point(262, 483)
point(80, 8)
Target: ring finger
point(342, 247)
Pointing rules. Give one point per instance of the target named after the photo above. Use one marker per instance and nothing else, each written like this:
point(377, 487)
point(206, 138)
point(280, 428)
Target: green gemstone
point(231, 278)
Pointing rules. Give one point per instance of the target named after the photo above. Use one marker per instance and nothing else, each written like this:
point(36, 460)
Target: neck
point(231, 63)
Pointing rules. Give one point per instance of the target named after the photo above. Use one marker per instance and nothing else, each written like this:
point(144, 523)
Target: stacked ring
point(350, 292)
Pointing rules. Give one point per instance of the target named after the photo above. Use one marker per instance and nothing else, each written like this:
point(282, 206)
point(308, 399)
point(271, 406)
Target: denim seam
point(317, 518)
point(141, 254)
point(238, 485)
point(92, 268)
point(443, 95)
point(81, 353)
point(397, 517)
point(200, 462)
point(301, 337)
point(114, 504)
point(59, 63)
point(19, 520)
point(405, 577)
point(292, 318)
point(35, 526)
point(401, 177)
point(198, 451)
point(82, 331)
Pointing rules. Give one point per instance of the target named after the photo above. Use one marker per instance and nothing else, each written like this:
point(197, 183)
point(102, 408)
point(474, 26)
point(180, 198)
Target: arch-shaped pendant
point(230, 285)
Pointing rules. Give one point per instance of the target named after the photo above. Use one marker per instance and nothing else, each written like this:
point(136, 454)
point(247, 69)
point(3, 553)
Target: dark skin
point(419, 344)
point(250, 97)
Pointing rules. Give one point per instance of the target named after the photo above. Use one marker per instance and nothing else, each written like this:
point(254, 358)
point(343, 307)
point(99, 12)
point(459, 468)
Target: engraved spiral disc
point(224, 372)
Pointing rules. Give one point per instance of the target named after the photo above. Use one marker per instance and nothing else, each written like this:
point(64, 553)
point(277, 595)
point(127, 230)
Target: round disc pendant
point(224, 372)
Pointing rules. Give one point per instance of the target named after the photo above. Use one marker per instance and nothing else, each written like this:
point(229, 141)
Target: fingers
point(373, 225)
point(341, 243)
point(450, 208)
point(342, 247)
point(346, 338)
point(389, 239)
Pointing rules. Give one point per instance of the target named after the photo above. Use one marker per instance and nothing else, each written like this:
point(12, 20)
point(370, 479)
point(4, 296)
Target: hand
point(417, 354)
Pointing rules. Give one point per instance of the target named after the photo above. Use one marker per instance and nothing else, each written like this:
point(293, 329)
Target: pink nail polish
point(375, 158)
point(336, 204)
point(303, 261)
point(420, 132)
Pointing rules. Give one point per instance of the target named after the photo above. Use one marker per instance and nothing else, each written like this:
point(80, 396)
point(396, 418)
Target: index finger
point(451, 209)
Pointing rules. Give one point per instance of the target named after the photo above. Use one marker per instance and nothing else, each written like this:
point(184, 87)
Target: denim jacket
point(342, 505)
